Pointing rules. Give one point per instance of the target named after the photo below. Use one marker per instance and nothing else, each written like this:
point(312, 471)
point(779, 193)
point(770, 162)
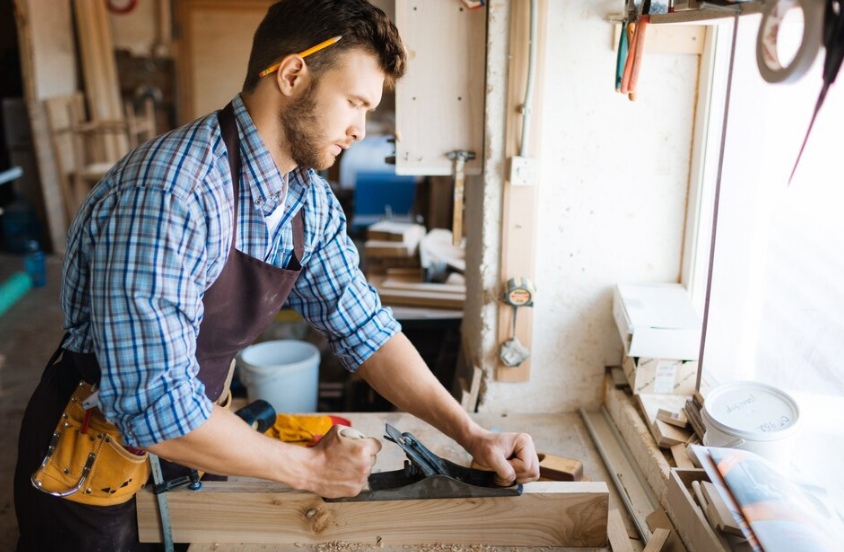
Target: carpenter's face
point(331, 114)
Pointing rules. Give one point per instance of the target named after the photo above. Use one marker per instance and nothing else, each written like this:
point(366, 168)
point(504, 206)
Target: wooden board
point(619, 539)
point(213, 51)
point(48, 68)
point(560, 434)
point(547, 514)
point(441, 37)
point(520, 203)
point(100, 73)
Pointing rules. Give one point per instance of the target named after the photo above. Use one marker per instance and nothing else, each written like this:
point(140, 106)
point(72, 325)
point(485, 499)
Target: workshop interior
point(615, 225)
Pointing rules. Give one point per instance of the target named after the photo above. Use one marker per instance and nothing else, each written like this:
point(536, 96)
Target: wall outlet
point(523, 171)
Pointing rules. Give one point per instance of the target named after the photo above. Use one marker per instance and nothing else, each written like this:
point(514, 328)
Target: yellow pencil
point(312, 50)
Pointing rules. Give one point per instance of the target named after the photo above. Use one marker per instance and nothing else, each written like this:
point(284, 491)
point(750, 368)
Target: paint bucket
point(283, 372)
point(752, 416)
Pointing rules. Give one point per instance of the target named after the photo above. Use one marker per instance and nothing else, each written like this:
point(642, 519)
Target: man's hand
point(511, 455)
point(340, 465)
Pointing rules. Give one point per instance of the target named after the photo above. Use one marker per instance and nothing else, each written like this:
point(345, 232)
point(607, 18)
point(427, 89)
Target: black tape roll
point(259, 414)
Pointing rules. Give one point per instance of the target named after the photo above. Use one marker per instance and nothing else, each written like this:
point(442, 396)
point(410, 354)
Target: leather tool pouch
point(86, 461)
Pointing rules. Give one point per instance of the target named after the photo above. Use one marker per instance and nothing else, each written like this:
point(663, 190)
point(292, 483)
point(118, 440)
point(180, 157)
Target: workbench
point(557, 434)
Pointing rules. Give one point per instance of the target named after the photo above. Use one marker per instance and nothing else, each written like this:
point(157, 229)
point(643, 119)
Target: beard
point(300, 125)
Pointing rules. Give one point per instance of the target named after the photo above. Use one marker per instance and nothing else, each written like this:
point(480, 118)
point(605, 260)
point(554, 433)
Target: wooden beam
point(45, 39)
point(547, 514)
point(520, 203)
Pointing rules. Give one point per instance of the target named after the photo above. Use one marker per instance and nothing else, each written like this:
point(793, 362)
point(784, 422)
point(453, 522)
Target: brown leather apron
point(238, 306)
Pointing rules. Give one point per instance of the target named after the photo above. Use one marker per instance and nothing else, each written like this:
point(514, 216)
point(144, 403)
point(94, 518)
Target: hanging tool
point(621, 53)
point(426, 475)
point(459, 157)
point(833, 41)
point(519, 293)
point(630, 76)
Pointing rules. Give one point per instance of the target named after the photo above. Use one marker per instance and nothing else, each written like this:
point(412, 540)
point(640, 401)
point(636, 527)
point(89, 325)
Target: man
point(173, 266)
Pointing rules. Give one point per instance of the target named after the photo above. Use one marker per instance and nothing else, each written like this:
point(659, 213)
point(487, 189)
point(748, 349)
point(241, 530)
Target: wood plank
point(673, 417)
point(215, 37)
point(100, 73)
point(658, 518)
point(520, 203)
point(619, 540)
point(657, 540)
point(452, 289)
point(667, 435)
point(724, 520)
point(48, 68)
point(547, 514)
point(681, 459)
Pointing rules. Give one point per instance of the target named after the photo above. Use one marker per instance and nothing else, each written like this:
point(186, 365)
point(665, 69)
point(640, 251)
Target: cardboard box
point(687, 516)
point(657, 321)
point(660, 375)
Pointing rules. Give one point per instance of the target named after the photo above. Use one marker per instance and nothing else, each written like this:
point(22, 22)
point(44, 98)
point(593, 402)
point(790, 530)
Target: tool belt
point(86, 461)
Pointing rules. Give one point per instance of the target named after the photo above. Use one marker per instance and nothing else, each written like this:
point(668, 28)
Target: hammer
point(459, 157)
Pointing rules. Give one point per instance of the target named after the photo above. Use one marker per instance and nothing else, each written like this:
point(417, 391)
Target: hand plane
point(426, 475)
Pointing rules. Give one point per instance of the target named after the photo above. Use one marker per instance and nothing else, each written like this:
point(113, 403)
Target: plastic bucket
point(284, 373)
point(752, 416)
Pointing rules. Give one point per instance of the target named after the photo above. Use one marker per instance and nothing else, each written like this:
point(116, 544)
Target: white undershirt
point(274, 218)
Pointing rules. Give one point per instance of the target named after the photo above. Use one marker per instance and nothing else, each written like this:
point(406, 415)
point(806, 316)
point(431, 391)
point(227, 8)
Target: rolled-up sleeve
point(332, 292)
point(148, 271)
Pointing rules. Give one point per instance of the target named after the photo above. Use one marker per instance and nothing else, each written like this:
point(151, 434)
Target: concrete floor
point(29, 333)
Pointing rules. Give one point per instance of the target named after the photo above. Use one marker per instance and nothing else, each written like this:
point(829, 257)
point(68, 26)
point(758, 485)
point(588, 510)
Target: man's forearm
point(226, 445)
point(399, 374)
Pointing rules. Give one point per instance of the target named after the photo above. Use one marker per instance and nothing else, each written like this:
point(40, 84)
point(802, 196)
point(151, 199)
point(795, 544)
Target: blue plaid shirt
point(153, 236)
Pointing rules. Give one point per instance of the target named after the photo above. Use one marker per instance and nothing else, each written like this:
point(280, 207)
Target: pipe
point(531, 78)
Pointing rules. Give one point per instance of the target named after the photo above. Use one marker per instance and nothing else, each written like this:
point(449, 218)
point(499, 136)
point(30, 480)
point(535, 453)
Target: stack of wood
point(392, 244)
point(407, 287)
point(667, 420)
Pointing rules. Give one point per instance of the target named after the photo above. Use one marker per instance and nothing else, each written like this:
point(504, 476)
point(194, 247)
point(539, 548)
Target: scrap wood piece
point(674, 417)
point(666, 435)
point(549, 513)
point(718, 509)
point(619, 539)
point(559, 468)
point(658, 539)
point(681, 458)
point(658, 518)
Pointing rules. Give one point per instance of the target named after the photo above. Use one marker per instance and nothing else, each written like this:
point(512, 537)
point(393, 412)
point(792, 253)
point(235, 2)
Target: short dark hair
point(292, 26)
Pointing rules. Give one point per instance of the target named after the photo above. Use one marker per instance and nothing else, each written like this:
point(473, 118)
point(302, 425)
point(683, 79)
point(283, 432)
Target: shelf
point(708, 13)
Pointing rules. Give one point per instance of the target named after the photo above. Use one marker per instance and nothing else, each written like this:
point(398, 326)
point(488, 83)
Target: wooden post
point(518, 234)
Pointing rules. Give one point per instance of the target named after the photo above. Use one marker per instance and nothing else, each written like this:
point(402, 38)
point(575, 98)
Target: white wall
point(611, 199)
point(611, 203)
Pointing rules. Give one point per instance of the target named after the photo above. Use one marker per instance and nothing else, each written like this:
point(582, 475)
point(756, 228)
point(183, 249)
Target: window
point(777, 299)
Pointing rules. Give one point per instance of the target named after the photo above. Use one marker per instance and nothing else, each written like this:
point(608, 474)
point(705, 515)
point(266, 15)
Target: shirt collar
point(261, 175)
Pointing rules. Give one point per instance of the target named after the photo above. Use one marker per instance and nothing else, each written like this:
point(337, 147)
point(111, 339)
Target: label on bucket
point(752, 408)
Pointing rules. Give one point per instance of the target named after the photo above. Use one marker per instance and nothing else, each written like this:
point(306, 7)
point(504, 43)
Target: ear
point(292, 75)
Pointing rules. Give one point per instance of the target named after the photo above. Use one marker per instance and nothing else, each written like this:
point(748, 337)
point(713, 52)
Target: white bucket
point(284, 373)
point(752, 416)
